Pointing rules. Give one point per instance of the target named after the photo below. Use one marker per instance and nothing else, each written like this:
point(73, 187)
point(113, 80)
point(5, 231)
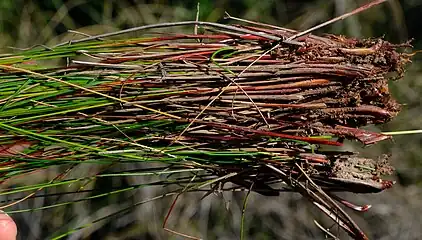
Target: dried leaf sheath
point(171, 99)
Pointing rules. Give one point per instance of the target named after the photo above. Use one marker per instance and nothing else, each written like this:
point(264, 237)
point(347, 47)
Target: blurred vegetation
point(395, 213)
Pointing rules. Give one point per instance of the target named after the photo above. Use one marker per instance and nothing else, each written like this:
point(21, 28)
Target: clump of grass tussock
point(249, 105)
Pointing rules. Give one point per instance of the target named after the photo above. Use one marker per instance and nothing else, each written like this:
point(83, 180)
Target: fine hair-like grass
point(241, 104)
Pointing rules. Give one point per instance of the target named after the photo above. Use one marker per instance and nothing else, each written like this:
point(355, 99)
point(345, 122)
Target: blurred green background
point(396, 213)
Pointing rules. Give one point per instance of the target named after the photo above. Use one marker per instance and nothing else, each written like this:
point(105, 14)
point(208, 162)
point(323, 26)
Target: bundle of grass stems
point(248, 106)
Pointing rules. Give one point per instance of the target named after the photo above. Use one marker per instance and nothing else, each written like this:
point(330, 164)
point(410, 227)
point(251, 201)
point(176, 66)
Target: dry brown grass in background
point(394, 214)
